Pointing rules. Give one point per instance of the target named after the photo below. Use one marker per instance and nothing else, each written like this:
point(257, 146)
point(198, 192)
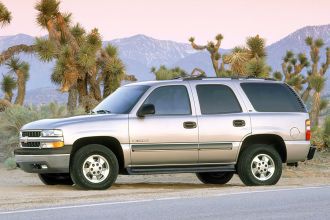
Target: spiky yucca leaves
point(8, 84)
point(249, 60)
point(5, 15)
point(256, 46)
point(257, 68)
point(47, 11)
point(278, 75)
point(112, 70)
point(292, 67)
point(46, 49)
point(163, 73)
point(237, 60)
point(213, 49)
point(21, 70)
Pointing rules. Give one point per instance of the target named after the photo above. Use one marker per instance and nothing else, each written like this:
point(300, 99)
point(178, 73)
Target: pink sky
point(179, 19)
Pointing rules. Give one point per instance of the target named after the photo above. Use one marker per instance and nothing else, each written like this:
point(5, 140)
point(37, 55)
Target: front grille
point(31, 144)
point(31, 133)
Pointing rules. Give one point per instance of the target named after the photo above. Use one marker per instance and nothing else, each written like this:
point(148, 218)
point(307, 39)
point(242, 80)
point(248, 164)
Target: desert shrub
point(13, 118)
point(10, 163)
point(321, 135)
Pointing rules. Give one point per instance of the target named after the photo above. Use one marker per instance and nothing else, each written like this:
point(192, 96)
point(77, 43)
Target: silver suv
point(212, 127)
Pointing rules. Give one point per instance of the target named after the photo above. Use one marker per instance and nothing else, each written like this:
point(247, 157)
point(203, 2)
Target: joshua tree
point(213, 49)
point(249, 60)
point(21, 70)
point(316, 79)
point(5, 15)
point(292, 67)
point(81, 62)
point(8, 84)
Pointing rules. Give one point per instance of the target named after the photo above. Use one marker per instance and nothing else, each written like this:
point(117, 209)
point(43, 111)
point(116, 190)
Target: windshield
point(122, 100)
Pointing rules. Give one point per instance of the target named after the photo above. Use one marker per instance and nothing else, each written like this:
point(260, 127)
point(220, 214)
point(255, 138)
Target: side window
point(170, 100)
point(273, 97)
point(217, 99)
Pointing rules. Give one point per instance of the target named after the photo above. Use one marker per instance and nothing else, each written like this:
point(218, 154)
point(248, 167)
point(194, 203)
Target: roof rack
point(201, 77)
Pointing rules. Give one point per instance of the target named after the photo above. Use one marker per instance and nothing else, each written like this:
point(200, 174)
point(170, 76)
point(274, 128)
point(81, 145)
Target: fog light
point(56, 144)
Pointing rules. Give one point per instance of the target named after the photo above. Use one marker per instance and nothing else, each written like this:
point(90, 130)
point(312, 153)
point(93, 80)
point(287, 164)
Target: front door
point(170, 136)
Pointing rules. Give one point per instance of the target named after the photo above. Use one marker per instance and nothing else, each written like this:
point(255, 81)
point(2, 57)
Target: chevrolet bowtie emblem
point(25, 140)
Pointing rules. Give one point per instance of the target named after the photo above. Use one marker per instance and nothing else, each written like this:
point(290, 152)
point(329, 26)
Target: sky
point(179, 19)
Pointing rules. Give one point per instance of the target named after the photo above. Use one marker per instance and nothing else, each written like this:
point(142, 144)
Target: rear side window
point(217, 99)
point(170, 100)
point(273, 97)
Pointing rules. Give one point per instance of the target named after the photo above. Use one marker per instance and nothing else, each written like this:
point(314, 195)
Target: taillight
point(308, 129)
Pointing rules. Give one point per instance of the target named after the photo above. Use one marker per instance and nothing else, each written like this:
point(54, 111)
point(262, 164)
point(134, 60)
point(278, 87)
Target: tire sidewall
point(245, 165)
point(79, 158)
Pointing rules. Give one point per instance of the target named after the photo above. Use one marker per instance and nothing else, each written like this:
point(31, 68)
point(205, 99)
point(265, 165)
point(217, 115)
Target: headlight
point(51, 133)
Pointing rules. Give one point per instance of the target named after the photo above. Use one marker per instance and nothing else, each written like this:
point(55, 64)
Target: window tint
point(122, 100)
point(217, 99)
point(170, 100)
point(273, 97)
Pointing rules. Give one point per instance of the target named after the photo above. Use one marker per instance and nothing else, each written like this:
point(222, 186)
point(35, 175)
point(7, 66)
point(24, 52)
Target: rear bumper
point(297, 150)
point(311, 152)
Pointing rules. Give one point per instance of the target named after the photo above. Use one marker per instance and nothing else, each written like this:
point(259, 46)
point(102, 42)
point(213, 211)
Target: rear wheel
point(215, 177)
point(94, 167)
point(55, 178)
point(259, 165)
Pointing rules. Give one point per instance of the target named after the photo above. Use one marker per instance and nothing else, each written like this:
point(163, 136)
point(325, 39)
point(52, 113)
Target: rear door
point(223, 121)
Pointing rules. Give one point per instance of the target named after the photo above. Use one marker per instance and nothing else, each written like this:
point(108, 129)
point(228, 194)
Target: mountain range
point(140, 53)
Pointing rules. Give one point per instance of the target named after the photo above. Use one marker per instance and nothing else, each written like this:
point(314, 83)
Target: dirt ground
point(19, 190)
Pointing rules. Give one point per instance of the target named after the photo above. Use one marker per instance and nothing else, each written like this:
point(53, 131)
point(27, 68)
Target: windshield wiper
point(101, 112)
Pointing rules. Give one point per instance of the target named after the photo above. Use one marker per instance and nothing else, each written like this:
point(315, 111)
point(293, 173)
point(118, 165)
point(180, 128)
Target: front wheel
point(94, 167)
point(259, 165)
point(55, 178)
point(215, 177)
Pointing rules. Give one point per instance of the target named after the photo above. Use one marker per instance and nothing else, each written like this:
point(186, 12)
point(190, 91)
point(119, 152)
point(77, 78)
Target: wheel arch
point(110, 142)
point(270, 139)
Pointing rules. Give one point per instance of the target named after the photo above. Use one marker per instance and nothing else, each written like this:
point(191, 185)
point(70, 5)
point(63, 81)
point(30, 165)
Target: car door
point(170, 136)
point(223, 122)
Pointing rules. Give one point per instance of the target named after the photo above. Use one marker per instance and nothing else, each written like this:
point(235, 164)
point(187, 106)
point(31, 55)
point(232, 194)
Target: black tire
point(215, 177)
point(244, 165)
point(55, 178)
point(77, 163)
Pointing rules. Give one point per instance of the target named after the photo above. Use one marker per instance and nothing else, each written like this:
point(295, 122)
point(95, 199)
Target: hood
point(60, 123)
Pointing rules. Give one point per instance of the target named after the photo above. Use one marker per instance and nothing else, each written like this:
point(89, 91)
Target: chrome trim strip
point(215, 146)
point(164, 147)
point(40, 139)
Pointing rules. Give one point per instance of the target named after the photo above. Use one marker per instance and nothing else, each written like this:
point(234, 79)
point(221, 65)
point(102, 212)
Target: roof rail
point(201, 77)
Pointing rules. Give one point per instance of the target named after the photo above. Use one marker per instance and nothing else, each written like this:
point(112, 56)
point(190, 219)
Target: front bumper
point(44, 160)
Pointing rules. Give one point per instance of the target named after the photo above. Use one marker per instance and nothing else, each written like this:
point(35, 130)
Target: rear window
point(273, 97)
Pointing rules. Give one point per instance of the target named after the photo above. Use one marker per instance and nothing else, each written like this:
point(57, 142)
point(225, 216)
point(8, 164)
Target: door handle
point(239, 123)
point(189, 124)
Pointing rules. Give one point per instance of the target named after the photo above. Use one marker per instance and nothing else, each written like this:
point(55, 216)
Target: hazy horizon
point(178, 20)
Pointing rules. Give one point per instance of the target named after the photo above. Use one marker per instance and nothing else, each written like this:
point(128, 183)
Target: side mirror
point(146, 109)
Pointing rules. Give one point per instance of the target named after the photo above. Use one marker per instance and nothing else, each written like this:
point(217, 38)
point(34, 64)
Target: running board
point(181, 169)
